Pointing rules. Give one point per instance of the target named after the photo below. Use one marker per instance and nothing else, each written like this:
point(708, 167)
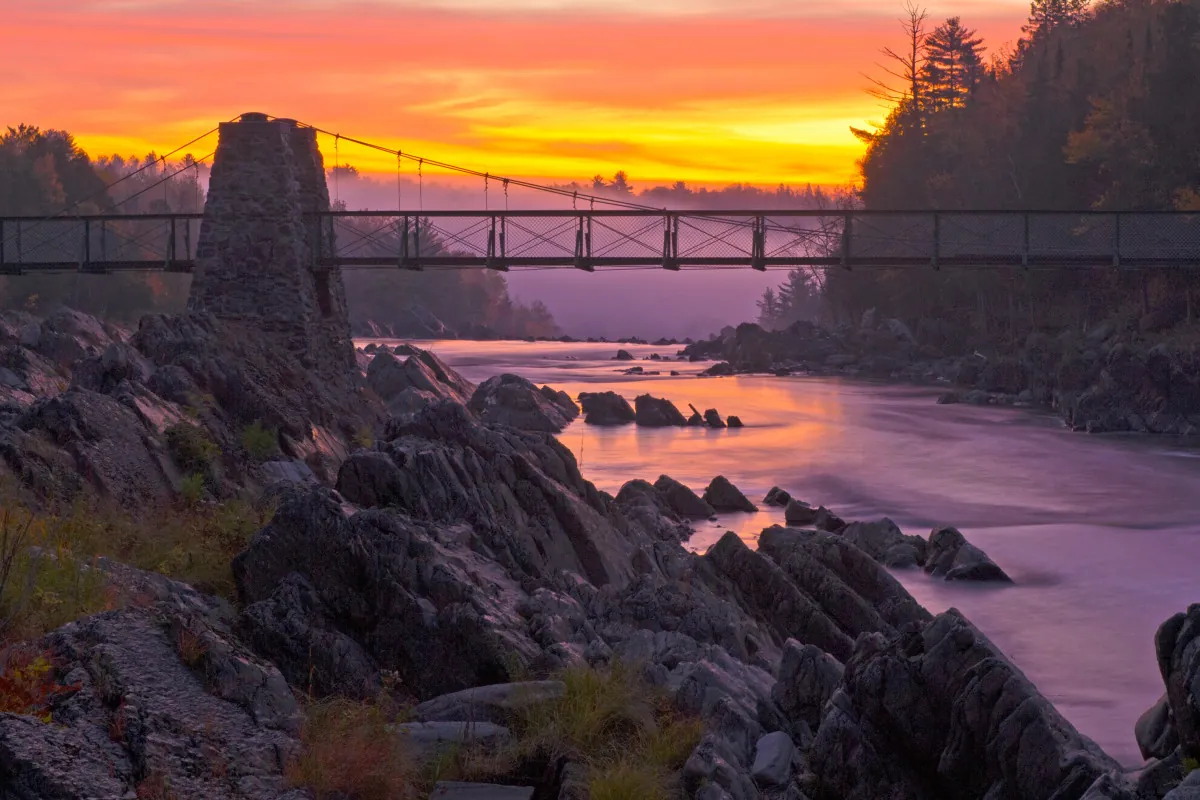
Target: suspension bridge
point(611, 233)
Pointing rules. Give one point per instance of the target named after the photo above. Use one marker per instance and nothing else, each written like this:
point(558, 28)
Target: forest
point(1096, 107)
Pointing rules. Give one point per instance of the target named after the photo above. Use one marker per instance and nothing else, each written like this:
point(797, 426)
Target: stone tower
point(256, 260)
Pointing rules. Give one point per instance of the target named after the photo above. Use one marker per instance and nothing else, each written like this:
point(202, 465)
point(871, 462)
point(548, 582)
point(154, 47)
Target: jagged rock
point(436, 627)
point(199, 715)
point(511, 400)
point(561, 400)
point(777, 497)
point(388, 377)
point(682, 500)
point(773, 760)
point(940, 712)
point(713, 762)
point(520, 494)
point(291, 628)
point(646, 506)
point(735, 422)
point(654, 412)
point(764, 589)
point(498, 703)
point(952, 557)
point(826, 520)
point(854, 589)
point(886, 543)
point(1159, 776)
point(808, 677)
point(1177, 647)
point(713, 419)
point(724, 496)
point(623, 355)
point(606, 408)
point(796, 512)
point(1155, 731)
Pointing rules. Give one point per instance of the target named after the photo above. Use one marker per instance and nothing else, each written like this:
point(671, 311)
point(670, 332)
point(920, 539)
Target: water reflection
point(1100, 533)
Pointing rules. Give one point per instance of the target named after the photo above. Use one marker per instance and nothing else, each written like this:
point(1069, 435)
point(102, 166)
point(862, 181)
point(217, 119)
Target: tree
point(907, 65)
point(1045, 16)
point(953, 64)
point(768, 308)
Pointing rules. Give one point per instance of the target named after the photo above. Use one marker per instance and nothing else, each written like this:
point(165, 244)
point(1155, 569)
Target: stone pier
point(256, 258)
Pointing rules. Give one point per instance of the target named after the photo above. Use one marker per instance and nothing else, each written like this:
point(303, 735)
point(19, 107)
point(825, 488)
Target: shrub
point(191, 489)
point(627, 781)
point(349, 751)
point(259, 443)
point(191, 448)
point(27, 684)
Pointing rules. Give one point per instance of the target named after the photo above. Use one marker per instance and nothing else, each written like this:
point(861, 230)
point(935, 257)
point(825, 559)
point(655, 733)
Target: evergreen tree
point(953, 64)
point(1045, 16)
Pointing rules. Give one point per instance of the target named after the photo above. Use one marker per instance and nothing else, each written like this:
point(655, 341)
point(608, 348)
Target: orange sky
point(708, 91)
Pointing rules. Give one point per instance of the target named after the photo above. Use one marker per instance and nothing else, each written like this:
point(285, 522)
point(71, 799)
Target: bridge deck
point(605, 239)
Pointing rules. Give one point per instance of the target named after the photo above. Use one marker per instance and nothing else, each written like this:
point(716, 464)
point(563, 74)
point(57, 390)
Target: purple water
point(1101, 534)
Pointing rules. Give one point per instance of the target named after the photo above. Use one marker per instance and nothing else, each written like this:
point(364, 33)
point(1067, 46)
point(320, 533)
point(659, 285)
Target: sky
point(707, 91)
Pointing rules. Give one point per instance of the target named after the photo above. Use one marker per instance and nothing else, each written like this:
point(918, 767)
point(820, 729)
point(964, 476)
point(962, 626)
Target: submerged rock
point(724, 496)
point(713, 419)
point(952, 557)
point(623, 355)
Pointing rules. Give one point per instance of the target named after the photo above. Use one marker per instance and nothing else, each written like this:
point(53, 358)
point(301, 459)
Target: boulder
point(721, 369)
point(606, 408)
point(426, 739)
point(724, 496)
point(623, 355)
point(654, 412)
point(562, 400)
point(777, 497)
point(951, 556)
point(1189, 789)
point(513, 401)
point(1177, 647)
point(1155, 731)
point(808, 677)
point(735, 422)
point(388, 377)
point(773, 756)
point(886, 543)
point(682, 500)
point(645, 505)
point(826, 520)
point(713, 419)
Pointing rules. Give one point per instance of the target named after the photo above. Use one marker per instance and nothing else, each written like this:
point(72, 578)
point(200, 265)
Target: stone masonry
point(256, 259)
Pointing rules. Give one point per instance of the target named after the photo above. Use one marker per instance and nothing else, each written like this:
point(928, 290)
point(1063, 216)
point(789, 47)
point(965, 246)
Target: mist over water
point(1099, 533)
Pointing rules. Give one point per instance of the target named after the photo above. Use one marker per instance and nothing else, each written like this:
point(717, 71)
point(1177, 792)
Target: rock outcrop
point(724, 496)
point(606, 408)
point(654, 412)
point(513, 401)
point(682, 500)
point(952, 557)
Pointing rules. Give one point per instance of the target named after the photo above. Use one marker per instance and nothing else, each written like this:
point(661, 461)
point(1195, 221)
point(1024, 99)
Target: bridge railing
point(607, 239)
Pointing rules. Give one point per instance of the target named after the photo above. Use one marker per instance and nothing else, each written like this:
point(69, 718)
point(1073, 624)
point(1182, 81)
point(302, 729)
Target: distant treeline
point(1096, 107)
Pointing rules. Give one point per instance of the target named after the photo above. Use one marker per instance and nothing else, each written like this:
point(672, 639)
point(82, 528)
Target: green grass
point(259, 443)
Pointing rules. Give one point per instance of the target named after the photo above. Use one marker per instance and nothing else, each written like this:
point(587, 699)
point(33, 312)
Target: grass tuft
point(350, 752)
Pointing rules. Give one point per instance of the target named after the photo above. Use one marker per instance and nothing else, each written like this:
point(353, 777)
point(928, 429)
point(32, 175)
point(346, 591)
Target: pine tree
point(1047, 15)
point(953, 64)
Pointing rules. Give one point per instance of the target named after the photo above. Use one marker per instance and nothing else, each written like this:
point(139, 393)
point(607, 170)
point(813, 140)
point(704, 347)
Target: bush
point(27, 684)
point(259, 443)
point(191, 488)
point(350, 752)
point(191, 448)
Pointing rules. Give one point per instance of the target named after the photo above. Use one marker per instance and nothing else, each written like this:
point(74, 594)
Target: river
point(1100, 534)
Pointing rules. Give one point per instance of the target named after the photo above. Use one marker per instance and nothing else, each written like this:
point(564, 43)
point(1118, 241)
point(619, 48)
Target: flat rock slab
point(773, 759)
point(429, 737)
point(448, 790)
point(495, 703)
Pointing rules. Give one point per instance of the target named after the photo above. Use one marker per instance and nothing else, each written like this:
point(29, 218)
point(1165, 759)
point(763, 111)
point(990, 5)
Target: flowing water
point(1100, 534)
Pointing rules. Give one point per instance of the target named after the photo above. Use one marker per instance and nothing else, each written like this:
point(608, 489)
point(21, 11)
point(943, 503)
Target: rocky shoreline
point(1112, 378)
point(459, 563)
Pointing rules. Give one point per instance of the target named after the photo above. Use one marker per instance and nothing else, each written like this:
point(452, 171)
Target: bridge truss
point(635, 239)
